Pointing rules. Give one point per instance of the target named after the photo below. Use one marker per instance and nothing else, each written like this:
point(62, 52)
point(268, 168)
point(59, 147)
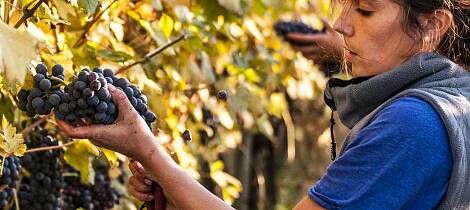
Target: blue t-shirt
point(401, 160)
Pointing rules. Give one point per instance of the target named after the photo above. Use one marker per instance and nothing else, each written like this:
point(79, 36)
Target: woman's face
point(374, 39)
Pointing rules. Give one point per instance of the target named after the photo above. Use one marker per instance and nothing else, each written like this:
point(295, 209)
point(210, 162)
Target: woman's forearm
point(182, 190)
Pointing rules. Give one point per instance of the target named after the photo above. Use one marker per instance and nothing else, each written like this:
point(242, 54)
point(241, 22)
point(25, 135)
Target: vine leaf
point(88, 5)
point(11, 142)
point(15, 59)
point(111, 157)
point(166, 24)
point(231, 5)
point(79, 155)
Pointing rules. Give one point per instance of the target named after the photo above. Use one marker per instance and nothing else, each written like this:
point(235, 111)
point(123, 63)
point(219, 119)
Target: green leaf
point(65, 9)
point(88, 5)
point(17, 50)
point(116, 56)
point(166, 25)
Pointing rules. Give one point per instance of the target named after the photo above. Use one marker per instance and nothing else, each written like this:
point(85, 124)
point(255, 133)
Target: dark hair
point(456, 42)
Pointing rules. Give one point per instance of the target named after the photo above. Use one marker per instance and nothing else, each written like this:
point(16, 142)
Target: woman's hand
point(321, 47)
point(128, 135)
point(140, 185)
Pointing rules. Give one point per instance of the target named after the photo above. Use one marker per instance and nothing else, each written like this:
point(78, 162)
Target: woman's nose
point(343, 24)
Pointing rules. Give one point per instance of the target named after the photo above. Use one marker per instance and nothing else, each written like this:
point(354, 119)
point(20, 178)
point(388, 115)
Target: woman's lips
point(350, 54)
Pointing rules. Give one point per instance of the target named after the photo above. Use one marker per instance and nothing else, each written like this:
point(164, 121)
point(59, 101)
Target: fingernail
point(148, 182)
point(111, 87)
point(140, 168)
point(150, 196)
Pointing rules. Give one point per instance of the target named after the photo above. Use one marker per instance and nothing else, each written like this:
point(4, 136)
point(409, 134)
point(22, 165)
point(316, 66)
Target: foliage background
point(262, 148)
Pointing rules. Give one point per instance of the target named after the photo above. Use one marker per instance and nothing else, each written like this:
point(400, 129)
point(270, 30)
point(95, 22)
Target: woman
point(408, 109)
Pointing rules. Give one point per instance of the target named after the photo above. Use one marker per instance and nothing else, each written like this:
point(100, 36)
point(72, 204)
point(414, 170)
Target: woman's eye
point(364, 12)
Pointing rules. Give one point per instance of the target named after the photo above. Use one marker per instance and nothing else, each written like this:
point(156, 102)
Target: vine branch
point(29, 13)
point(40, 149)
point(28, 129)
point(151, 54)
point(88, 25)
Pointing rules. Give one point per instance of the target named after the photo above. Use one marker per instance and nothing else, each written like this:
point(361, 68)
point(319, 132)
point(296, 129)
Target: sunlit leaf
point(79, 156)
point(11, 143)
point(15, 59)
point(111, 157)
point(166, 24)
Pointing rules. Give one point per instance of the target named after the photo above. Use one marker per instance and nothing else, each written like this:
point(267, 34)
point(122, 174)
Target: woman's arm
point(307, 204)
point(181, 190)
point(131, 136)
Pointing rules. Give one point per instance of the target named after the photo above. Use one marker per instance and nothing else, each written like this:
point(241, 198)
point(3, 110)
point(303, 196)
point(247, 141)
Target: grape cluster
point(42, 188)
point(88, 98)
point(9, 179)
point(46, 91)
point(99, 196)
point(85, 100)
point(284, 27)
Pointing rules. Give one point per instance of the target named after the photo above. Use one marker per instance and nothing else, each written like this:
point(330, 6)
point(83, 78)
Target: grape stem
point(28, 129)
point(29, 13)
point(88, 25)
point(151, 54)
point(40, 149)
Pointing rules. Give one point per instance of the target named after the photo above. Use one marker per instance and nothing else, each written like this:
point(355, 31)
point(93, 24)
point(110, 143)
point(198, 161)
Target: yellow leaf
point(79, 156)
point(166, 24)
point(111, 156)
point(277, 104)
point(11, 142)
point(15, 59)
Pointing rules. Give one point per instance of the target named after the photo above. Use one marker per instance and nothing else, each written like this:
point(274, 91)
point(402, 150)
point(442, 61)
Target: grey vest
point(431, 77)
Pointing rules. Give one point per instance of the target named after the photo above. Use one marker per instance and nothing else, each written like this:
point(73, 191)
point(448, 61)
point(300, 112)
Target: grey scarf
point(435, 79)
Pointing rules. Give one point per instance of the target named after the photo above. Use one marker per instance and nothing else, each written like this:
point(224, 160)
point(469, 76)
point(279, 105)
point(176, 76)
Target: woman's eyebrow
point(373, 2)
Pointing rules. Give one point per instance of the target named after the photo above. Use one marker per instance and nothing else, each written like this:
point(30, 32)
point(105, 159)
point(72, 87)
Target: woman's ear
point(436, 25)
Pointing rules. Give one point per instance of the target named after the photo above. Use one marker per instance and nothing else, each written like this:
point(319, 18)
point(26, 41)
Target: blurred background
point(262, 147)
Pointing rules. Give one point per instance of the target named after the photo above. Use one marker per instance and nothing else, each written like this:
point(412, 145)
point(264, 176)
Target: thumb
point(327, 25)
point(120, 98)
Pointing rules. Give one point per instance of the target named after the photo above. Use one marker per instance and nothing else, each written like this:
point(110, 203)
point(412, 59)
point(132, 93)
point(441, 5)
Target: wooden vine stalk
point(29, 13)
point(151, 54)
point(88, 25)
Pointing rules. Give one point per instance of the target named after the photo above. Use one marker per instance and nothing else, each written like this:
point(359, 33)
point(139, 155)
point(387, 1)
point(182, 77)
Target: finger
point(327, 24)
point(139, 184)
point(82, 132)
point(307, 49)
point(120, 98)
point(140, 173)
point(313, 56)
point(139, 195)
point(303, 38)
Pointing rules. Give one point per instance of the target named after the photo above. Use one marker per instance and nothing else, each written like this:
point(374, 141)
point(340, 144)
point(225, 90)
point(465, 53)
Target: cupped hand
point(321, 47)
point(128, 135)
point(140, 185)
